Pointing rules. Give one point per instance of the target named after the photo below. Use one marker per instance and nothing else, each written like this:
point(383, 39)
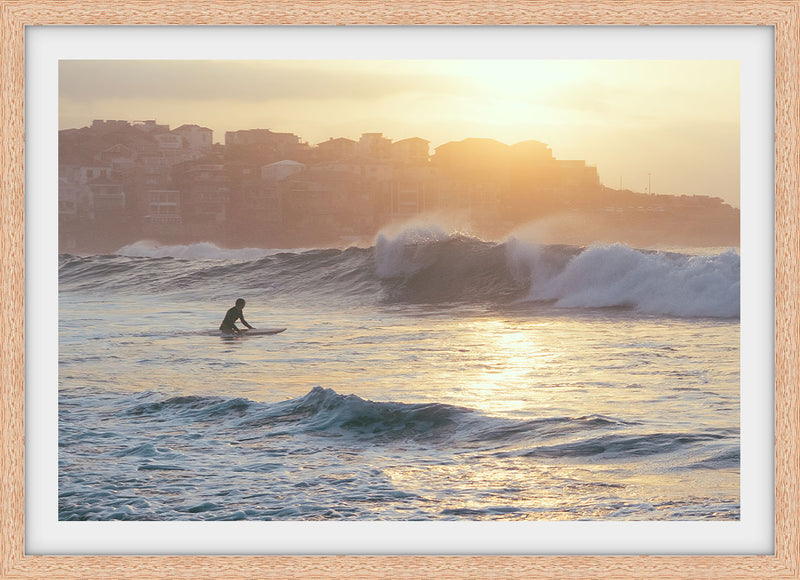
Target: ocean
point(428, 376)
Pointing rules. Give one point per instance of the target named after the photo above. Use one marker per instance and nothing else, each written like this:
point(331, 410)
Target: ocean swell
point(429, 266)
point(353, 421)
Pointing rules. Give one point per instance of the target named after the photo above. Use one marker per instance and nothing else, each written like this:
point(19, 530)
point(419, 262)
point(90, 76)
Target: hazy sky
point(676, 120)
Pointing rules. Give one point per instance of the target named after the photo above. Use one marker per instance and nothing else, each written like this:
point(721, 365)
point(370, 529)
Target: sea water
point(429, 376)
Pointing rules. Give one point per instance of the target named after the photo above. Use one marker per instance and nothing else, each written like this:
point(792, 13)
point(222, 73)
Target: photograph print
point(399, 290)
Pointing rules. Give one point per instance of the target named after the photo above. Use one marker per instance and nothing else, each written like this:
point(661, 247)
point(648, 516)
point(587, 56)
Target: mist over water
point(430, 375)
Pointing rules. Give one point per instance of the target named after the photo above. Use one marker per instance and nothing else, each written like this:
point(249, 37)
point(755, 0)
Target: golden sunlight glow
point(483, 490)
point(628, 118)
point(499, 358)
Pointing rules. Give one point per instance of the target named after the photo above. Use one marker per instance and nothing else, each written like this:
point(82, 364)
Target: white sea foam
point(650, 282)
point(457, 267)
point(198, 251)
point(408, 250)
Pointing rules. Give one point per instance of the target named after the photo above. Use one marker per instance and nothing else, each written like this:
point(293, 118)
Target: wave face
point(429, 266)
point(349, 418)
point(426, 265)
point(330, 456)
point(650, 282)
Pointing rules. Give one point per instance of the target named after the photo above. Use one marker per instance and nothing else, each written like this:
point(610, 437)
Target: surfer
point(228, 325)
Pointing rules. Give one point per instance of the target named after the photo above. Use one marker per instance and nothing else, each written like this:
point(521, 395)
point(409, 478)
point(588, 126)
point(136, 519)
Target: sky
point(672, 124)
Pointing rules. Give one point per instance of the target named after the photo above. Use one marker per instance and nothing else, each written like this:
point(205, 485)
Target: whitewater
point(431, 375)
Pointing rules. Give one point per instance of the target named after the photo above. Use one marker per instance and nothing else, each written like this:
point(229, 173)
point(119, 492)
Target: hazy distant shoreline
point(123, 182)
point(636, 228)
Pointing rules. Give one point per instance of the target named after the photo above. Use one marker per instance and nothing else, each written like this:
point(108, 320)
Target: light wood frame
point(783, 15)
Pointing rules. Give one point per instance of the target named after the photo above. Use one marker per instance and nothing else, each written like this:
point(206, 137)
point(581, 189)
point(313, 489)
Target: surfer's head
point(240, 302)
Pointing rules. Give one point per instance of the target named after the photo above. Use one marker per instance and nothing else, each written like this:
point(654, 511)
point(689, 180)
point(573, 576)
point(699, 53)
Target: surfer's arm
point(245, 322)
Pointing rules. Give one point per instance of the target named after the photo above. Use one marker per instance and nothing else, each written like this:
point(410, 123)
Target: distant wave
point(427, 265)
point(199, 251)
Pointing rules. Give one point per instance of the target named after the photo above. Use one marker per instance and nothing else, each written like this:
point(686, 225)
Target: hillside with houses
point(123, 181)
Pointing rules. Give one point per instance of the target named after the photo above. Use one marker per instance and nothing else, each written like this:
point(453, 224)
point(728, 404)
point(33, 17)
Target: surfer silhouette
point(229, 323)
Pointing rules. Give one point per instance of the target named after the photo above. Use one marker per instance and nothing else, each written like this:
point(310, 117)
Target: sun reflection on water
point(499, 359)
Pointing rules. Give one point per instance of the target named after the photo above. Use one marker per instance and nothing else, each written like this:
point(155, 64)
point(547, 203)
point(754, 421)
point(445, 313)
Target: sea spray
point(427, 264)
point(408, 251)
point(650, 282)
point(527, 260)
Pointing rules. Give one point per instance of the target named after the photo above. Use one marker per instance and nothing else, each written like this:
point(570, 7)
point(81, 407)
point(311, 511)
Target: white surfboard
point(254, 332)
point(260, 331)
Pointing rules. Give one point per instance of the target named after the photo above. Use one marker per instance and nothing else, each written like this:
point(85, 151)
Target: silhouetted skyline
point(674, 122)
point(122, 181)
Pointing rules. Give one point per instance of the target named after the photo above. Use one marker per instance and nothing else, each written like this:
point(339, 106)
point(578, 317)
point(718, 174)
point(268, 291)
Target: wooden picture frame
point(782, 15)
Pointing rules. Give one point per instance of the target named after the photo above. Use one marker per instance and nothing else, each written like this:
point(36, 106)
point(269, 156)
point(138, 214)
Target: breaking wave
point(427, 265)
point(651, 282)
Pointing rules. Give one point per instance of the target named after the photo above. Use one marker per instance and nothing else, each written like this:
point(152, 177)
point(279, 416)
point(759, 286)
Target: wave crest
point(198, 251)
point(426, 265)
point(323, 412)
point(650, 282)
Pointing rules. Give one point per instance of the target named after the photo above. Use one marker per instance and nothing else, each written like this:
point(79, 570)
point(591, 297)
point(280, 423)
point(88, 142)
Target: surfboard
point(254, 332)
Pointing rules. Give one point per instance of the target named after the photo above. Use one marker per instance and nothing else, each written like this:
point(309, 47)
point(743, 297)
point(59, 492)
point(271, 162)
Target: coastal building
point(171, 141)
point(87, 173)
point(163, 209)
point(175, 148)
point(150, 126)
point(374, 146)
point(323, 204)
point(263, 146)
point(281, 170)
point(74, 200)
point(195, 137)
point(78, 185)
point(577, 174)
point(156, 167)
point(119, 157)
point(108, 196)
point(473, 159)
point(408, 199)
point(204, 194)
point(414, 190)
point(411, 151)
point(245, 191)
point(363, 167)
point(258, 217)
point(532, 158)
point(335, 149)
point(106, 126)
point(280, 141)
point(120, 181)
